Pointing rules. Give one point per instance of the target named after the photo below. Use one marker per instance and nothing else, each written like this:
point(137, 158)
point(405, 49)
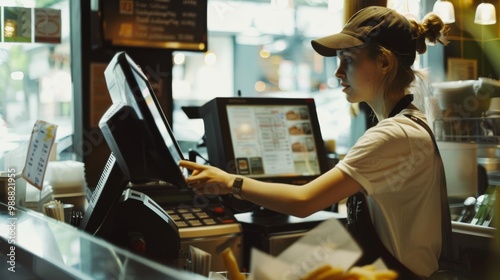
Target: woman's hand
point(208, 179)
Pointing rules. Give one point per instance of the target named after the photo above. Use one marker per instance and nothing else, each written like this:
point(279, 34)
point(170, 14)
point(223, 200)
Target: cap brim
point(329, 45)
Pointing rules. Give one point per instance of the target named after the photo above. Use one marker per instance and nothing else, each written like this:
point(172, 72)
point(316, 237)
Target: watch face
point(236, 188)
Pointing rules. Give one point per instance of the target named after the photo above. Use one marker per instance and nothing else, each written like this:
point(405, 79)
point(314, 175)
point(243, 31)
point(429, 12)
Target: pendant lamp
point(445, 10)
point(485, 14)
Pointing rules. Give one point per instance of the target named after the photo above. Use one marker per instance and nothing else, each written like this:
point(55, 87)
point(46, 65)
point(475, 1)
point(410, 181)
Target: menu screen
point(178, 25)
point(273, 140)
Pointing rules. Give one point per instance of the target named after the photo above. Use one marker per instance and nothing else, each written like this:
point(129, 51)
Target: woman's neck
point(383, 108)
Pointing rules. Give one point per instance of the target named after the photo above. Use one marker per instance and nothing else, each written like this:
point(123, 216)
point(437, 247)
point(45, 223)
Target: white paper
point(327, 243)
point(266, 267)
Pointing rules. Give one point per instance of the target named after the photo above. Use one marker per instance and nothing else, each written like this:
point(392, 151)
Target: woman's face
point(360, 75)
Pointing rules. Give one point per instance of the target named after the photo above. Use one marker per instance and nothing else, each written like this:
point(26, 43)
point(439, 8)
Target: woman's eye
point(347, 60)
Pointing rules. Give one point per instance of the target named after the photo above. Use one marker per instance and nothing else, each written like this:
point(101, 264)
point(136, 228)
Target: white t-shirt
point(396, 164)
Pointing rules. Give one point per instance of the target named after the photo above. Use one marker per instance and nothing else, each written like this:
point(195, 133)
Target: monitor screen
point(271, 139)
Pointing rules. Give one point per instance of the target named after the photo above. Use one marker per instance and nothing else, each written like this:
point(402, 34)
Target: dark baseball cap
point(374, 24)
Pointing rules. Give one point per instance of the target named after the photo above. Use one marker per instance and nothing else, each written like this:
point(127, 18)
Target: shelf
point(468, 130)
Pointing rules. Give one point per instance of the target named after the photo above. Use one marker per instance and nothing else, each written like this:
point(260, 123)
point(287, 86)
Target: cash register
point(142, 202)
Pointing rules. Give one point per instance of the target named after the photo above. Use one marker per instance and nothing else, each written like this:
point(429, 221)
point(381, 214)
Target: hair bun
point(431, 30)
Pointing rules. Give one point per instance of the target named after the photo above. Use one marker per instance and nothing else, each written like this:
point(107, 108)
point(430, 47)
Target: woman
point(393, 165)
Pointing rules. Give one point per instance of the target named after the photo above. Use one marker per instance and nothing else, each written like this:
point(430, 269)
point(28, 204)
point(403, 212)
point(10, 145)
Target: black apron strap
point(446, 228)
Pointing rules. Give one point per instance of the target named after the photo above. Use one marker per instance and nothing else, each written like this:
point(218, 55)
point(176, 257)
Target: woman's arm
point(300, 201)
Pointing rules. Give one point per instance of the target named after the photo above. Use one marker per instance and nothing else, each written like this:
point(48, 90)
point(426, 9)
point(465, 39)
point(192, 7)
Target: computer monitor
point(269, 139)
point(157, 153)
point(143, 147)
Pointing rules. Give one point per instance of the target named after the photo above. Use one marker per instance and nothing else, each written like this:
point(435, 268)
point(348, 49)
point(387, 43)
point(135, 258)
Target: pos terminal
point(142, 201)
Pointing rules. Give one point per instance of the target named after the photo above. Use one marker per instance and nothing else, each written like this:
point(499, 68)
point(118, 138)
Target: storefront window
point(35, 73)
point(261, 49)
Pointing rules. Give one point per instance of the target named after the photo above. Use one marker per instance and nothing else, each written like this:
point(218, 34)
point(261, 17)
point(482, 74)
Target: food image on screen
point(273, 140)
point(300, 129)
point(242, 164)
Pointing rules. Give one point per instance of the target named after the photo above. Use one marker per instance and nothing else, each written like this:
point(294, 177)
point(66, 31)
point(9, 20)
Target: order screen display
point(273, 140)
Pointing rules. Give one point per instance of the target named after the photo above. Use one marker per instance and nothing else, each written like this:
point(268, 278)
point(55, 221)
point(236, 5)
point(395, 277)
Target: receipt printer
point(138, 224)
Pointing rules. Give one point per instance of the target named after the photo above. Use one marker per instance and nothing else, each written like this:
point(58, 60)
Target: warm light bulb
point(179, 58)
point(485, 14)
point(445, 10)
point(210, 58)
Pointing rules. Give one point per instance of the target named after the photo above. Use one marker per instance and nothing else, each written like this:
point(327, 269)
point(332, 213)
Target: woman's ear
point(386, 61)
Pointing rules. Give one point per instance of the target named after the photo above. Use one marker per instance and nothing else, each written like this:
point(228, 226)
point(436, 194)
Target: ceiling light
point(445, 10)
point(485, 14)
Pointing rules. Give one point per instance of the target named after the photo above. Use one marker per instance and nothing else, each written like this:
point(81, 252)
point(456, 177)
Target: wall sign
point(462, 69)
point(169, 24)
point(47, 25)
point(17, 24)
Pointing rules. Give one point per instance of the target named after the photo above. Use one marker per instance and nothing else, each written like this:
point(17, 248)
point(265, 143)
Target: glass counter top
point(44, 248)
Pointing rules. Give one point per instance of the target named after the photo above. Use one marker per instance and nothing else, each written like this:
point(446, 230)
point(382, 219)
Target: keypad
point(195, 217)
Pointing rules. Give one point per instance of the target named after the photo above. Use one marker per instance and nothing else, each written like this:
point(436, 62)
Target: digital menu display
point(273, 140)
point(169, 24)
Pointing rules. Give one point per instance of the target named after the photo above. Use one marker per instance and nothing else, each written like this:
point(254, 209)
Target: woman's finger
point(190, 165)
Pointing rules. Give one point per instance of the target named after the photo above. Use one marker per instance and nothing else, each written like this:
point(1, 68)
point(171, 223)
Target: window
point(37, 79)
point(257, 49)
point(264, 50)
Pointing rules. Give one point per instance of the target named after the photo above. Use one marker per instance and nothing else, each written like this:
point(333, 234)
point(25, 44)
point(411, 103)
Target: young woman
point(393, 169)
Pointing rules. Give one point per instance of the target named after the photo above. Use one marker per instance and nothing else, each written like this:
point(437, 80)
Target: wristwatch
point(236, 188)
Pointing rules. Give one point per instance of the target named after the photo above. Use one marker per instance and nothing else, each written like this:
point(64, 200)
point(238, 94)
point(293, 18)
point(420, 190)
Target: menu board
point(169, 24)
point(272, 140)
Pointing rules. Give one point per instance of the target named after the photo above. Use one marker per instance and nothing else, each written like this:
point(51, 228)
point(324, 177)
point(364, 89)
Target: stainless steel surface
point(490, 164)
point(488, 151)
point(476, 230)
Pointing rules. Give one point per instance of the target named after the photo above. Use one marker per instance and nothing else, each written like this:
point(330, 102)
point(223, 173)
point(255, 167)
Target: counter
point(34, 246)
point(475, 255)
point(43, 248)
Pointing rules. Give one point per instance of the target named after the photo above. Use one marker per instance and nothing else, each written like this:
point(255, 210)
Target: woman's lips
point(344, 86)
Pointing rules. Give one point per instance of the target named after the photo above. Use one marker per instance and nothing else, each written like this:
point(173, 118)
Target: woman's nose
point(339, 73)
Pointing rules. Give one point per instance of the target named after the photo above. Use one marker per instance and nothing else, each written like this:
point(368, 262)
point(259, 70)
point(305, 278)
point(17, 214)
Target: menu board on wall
point(169, 24)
